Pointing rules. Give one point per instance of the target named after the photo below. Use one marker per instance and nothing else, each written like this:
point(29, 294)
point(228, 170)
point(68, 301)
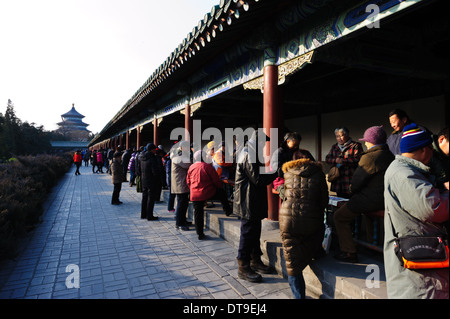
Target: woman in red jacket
point(204, 184)
point(77, 158)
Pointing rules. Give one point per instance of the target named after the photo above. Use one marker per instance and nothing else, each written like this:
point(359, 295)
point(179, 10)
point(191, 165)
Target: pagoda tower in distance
point(72, 126)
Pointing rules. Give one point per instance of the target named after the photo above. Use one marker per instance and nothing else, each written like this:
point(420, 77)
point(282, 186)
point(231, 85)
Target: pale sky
point(92, 53)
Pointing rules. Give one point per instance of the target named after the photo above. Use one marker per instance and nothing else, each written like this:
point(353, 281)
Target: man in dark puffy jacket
point(152, 176)
point(250, 203)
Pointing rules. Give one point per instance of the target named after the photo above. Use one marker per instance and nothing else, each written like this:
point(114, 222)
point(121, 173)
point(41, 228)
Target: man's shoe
point(246, 272)
point(257, 265)
point(201, 236)
point(152, 218)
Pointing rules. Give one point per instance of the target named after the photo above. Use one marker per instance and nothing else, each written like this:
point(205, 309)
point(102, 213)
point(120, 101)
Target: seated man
point(204, 184)
point(367, 188)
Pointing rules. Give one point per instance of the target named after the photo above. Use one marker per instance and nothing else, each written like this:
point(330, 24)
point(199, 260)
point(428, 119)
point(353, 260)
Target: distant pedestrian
point(126, 156)
point(77, 159)
point(168, 168)
point(94, 161)
point(86, 157)
point(132, 168)
point(117, 178)
point(109, 158)
point(152, 174)
point(99, 161)
point(181, 161)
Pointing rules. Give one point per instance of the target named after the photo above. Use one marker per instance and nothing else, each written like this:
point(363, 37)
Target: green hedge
point(24, 185)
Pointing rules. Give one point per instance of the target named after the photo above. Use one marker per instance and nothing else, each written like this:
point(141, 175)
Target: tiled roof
point(72, 113)
point(207, 30)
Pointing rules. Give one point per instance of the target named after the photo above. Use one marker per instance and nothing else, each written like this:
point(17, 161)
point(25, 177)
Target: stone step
point(325, 278)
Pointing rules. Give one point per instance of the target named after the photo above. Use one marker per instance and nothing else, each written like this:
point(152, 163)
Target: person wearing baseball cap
point(366, 189)
point(414, 206)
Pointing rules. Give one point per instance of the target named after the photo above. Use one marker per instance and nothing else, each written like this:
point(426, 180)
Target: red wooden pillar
point(272, 118)
point(155, 132)
point(188, 122)
point(138, 137)
point(127, 140)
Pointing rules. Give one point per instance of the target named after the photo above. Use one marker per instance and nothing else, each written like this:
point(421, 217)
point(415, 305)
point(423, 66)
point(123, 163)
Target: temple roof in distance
point(72, 113)
point(72, 120)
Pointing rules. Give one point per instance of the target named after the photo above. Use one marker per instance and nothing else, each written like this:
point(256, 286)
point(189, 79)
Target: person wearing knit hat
point(414, 138)
point(375, 135)
point(414, 207)
point(367, 192)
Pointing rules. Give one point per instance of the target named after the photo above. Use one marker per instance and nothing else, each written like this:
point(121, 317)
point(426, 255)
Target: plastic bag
point(326, 243)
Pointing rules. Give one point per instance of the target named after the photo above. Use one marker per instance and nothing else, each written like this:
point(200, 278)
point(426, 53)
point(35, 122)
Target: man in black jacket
point(250, 203)
point(152, 175)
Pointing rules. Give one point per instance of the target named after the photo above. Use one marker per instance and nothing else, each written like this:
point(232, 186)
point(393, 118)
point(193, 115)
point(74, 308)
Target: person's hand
point(339, 160)
point(446, 185)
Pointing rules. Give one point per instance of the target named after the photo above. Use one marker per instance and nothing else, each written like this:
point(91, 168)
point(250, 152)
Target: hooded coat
point(302, 213)
point(150, 169)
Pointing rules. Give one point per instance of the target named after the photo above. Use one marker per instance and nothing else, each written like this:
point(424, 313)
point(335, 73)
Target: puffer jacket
point(302, 213)
point(367, 185)
point(150, 170)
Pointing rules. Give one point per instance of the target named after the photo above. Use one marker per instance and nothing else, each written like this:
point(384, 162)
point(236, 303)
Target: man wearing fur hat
point(413, 207)
point(366, 188)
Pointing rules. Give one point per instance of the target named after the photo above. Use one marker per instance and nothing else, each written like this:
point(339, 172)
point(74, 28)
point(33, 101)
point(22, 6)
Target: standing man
point(181, 161)
point(152, 175)
point(250, 204)
point(413, 207)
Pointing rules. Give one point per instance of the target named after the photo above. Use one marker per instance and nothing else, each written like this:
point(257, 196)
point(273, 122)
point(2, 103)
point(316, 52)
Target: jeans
point(298, 286)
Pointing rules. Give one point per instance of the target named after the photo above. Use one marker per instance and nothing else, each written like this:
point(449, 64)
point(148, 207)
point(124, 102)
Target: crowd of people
point(405, 174)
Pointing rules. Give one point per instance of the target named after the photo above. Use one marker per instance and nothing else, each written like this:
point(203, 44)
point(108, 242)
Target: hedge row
point(24, 185)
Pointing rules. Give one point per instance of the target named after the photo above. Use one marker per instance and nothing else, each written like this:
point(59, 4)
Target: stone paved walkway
point(86, 248)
